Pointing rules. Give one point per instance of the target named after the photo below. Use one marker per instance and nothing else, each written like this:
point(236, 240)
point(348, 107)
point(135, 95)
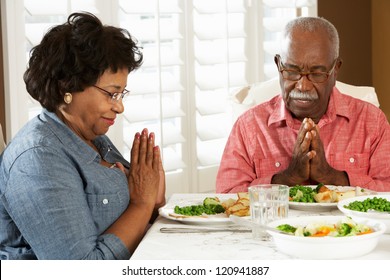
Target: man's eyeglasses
point(294, 75)
point(115, 96)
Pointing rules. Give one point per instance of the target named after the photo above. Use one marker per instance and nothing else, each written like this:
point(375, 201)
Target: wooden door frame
point(2, 93)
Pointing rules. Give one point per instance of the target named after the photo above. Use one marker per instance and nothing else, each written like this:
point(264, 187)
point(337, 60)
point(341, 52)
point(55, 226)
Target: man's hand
point(300, 163)
point(319, 167)
point(320, 170)
point(299, 169)
point(309, 162)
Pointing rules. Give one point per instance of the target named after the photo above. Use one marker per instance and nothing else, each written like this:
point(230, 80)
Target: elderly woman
point(65, 190)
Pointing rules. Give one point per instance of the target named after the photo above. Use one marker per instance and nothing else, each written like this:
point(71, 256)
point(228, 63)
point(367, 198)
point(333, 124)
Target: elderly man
point(310, 133)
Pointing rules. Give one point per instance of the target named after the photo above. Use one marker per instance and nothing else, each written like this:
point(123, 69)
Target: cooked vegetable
point(345, 227)
point(300, 193)
point(211, 201)
point(376, 203)
point(321, 193)
point(209, 207)
point(320, 187)
point(286, 228)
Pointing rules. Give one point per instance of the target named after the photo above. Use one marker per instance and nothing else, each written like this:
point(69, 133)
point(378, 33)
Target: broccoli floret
point(212, 209)
point(300, 193)
point(211, 201)
point(344, 229)
point(213, 205)
point(286, 228)
point(218, 208)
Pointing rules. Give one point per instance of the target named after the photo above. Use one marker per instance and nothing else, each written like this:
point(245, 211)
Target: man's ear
point(276, 60)
point(338, 64)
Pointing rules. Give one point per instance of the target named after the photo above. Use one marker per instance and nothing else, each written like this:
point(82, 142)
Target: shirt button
point(105, 201)
point(351, 160)
point(277, 164)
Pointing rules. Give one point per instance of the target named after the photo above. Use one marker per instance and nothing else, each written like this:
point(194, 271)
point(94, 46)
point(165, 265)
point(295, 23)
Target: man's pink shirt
point(355, 135)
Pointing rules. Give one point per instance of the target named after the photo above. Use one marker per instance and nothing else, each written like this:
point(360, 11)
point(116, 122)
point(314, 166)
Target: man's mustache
point(295, 94)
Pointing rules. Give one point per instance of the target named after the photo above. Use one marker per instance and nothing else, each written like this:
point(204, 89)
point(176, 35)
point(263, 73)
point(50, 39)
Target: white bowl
point(325, 247)
point(365, 216)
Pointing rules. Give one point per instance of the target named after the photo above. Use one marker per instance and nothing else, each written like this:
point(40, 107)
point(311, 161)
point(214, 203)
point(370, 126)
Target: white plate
point(315, 206)
point(325, 247)
point(312, 206)
point(364, 216)
point(219, 219)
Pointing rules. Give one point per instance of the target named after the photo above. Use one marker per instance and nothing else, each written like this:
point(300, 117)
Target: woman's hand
point(161, 187)
point(144, 172)
point(160, 200)
point(147, 190)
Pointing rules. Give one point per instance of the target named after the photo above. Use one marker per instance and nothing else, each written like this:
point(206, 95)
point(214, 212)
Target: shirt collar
point(281, 115)
point(71, 140)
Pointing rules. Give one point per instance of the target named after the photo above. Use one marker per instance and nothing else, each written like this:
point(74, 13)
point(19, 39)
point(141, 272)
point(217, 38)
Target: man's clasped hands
point(308, 163)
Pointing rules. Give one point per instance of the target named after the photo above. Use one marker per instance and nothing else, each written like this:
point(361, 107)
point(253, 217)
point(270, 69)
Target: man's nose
point(304, 84)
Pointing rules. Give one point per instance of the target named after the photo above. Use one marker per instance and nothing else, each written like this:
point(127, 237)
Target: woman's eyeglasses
point(115, 96)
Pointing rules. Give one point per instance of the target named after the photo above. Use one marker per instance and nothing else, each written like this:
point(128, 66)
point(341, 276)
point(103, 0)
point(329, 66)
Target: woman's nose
point(118, 106)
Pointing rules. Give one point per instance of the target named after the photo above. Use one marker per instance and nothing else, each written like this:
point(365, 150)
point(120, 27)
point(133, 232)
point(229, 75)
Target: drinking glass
point(268, 202)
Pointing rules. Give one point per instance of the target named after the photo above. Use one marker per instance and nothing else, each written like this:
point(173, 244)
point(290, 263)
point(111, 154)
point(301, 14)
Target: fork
point(201, 230)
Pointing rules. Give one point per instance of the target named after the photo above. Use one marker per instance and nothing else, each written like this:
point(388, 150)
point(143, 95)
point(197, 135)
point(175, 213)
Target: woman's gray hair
point(312, 24)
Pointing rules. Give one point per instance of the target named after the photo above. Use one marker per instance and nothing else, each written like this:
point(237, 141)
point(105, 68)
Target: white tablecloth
point(222, 245)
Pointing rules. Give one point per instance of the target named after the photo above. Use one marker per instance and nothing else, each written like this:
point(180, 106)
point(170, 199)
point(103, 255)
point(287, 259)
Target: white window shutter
point(276, 14)
point(196, 53)
point(220, 52)
point(157, 100)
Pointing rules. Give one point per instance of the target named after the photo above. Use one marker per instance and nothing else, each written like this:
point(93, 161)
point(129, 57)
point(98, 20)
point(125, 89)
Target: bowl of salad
point(326, 237)
point(372, 207)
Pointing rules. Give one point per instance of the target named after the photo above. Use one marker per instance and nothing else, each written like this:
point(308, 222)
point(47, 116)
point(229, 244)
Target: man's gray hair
point(312, 24)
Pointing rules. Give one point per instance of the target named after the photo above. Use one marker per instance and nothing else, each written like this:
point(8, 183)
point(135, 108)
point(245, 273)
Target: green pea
point(375, 203)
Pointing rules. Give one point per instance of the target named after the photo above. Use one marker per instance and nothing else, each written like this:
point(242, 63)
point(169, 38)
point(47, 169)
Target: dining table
point(228, 242)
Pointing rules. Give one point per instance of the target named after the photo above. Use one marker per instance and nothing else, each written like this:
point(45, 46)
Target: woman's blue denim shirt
point(56, 199)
